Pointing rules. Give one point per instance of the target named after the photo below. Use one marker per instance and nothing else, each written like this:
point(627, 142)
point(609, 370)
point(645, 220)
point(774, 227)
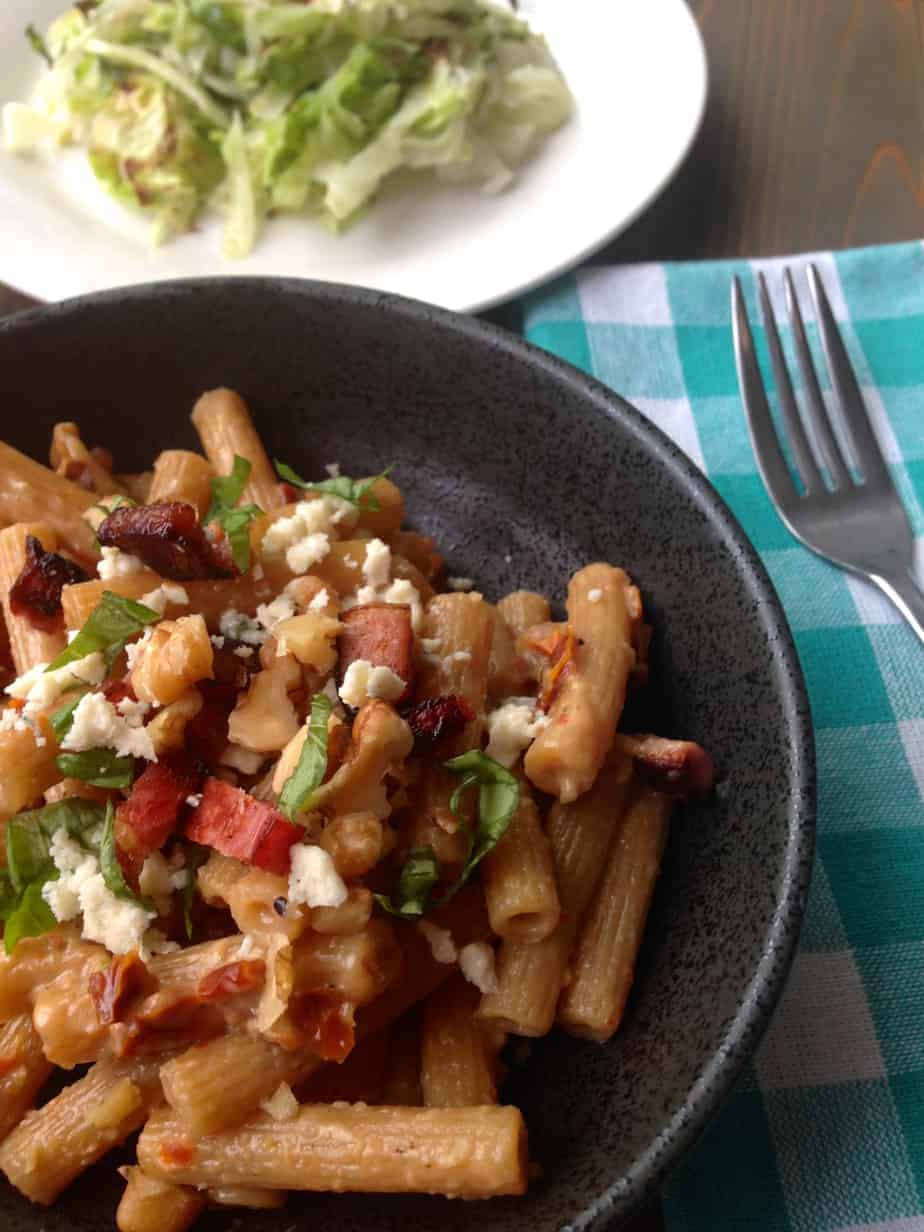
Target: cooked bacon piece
point(237, 825)
point(36, 593)
point(676, 767)
point(382, 634)
point(437, 717)
point(112, 988)
point(232, 979)
point(326, 1023)
point(168, 538)
point(149, 816)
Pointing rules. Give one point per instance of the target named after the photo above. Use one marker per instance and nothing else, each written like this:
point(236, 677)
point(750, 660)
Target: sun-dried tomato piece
point(167, 536)
point(232, 979)
point(676, 767)
point(112, 988)
point(438, 717)
point(36, 593)
point(327, 1024)
point(170, 1018)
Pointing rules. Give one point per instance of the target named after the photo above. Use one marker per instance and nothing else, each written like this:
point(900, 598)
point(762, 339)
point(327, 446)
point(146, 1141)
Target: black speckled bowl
point(523, 469)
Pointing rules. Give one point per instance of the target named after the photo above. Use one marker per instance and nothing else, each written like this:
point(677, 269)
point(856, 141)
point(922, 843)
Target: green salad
point(259, 107)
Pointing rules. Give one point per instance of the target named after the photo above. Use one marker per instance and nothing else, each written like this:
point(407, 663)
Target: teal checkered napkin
point(825, 1131)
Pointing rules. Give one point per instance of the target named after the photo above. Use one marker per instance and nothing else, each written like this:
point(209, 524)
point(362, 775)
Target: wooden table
point(813, 138)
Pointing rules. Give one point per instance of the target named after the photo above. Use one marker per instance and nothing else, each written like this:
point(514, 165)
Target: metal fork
point(858, 524)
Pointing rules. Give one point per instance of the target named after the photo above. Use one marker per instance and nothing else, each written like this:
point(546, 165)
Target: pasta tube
point(519, 878)
point(181, 475)
point(530, 975)
point(457, 1063)
point(462, 1152)
point(461, 626)
point(55, 1143)
point(150, 1205)
point(28, 645)
point(226, 429)
point(603, 964)
point(566, 756)
point(522, 609)
point(30, 492)
point(23, 1070)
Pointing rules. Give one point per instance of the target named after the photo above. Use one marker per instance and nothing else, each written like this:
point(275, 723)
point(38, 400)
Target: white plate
point(638, 72)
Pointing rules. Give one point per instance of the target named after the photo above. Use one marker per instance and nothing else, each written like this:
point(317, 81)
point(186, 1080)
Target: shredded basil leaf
point(38, 45)
point(29, 835)
point(62, 720)
point(196, 856)
point(99, 767)
point(498, 797)
point(8, 896)
point(108, 627)
point(31, 917)
point(357, 491)
point(109, 865)
point(234, 521)
point(312, 762)
point(30, 866)
point(419, 875)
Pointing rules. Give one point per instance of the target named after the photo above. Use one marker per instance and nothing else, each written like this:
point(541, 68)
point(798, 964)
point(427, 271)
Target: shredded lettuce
point(287, 107)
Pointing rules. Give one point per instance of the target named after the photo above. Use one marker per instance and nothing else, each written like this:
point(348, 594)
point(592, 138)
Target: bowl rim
point(703, 1098)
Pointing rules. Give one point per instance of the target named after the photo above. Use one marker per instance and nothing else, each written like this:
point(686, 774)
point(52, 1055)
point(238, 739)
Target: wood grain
point(813, 138)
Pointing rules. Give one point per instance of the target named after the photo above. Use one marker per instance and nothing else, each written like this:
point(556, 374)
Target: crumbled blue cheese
point(333, 469)
point(476, 962)
point(114, 922)
point(271, 614)
point(440, 941)
point(246, 761)
point(282, 1104)
point(319, 602)
point(241, 628)
point(512, 728)
point(155, 879)
point(194, 800)
point(116, 563)
point(313, 879)
point(168, 592)
point(40, 689)
point(11, 720)
point(594, 595)
point(362, 681)
point(379, 586)
point(377, 564)
point(304, 536)
point(134, 649)
point(98, 725)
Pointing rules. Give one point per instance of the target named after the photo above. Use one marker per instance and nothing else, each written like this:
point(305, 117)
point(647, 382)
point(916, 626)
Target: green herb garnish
point(99, 767)
point(234, 519)
point(109, 626)
point(357, 491)
point(498, 797)
point(312, 762)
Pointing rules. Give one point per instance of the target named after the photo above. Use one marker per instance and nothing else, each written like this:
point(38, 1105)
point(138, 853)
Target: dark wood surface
point(813, 138)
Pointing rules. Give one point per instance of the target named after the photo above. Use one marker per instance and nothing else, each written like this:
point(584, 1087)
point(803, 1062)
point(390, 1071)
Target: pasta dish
point(297, 831)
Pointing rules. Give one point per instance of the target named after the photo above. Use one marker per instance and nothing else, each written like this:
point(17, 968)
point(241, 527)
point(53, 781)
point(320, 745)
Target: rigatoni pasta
point(274, 865)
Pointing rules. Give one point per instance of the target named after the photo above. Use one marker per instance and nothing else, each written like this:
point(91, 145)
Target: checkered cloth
point(825, 1130)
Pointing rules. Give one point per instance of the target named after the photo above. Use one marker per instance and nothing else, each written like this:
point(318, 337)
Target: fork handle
point(907, 596)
